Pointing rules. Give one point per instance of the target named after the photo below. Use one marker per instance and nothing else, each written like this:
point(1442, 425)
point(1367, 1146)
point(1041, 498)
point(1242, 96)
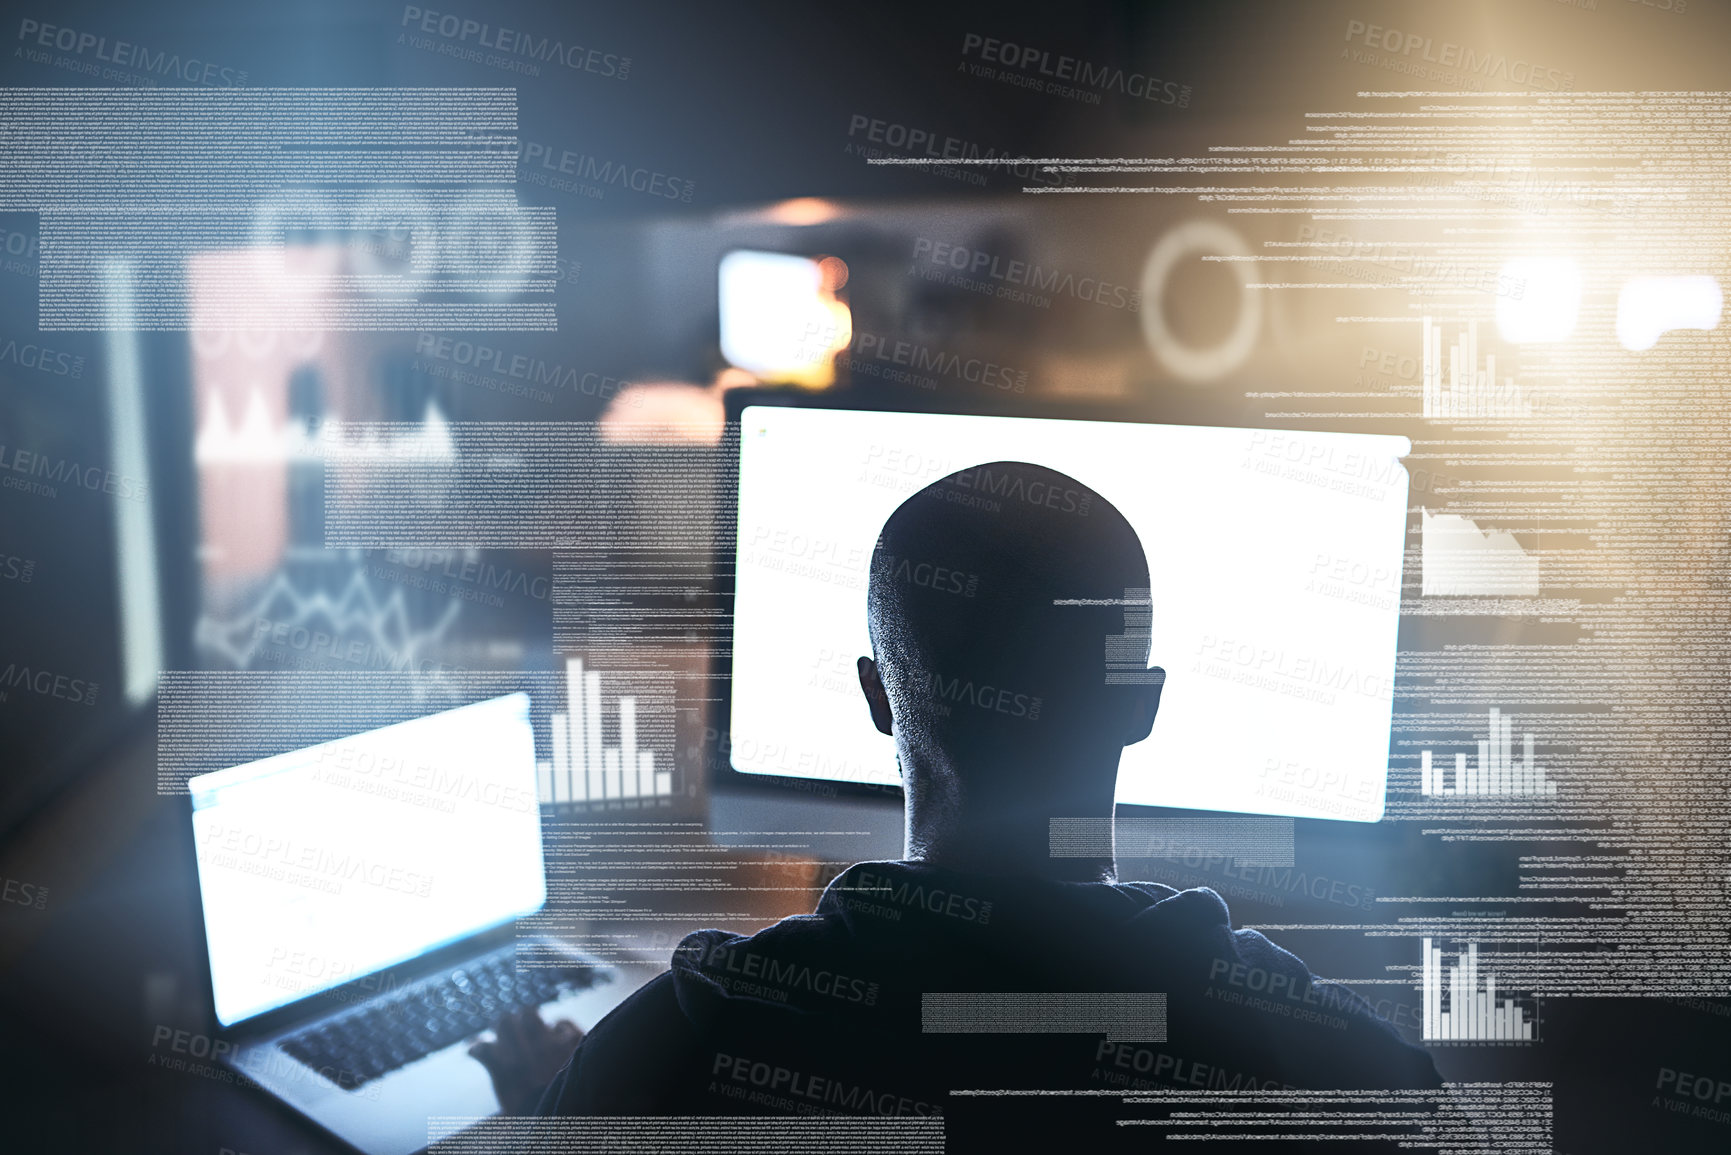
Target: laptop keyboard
point(392, 1031)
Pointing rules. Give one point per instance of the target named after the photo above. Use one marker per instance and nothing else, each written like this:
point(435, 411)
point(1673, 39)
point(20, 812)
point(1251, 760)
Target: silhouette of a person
point(1007, 609)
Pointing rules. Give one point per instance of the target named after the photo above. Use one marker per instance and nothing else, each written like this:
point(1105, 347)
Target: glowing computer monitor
point(1276, 564)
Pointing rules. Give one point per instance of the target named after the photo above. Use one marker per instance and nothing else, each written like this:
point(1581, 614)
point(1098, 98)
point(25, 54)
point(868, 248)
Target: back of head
point(998, 611)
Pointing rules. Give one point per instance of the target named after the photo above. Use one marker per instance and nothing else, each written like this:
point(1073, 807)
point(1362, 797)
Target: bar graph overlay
point(1462, 1003)
point(601, 750)
point(1459, 386)
point(1495, 770)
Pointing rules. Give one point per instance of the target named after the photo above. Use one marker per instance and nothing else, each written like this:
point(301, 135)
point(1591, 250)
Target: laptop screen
point(1276, 564)
point(323, 865)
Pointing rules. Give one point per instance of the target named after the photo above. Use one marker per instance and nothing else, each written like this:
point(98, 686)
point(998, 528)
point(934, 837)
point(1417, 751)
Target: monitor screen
point(1276, 562)
point(780, 319)
point(326, 864)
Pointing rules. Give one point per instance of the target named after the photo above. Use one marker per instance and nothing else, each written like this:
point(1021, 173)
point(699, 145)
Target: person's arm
point(636, 1061)
point(524, 1057)
point(1370, 1051)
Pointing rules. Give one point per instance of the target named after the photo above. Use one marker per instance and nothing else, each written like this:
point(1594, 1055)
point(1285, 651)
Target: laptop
point(359, 898)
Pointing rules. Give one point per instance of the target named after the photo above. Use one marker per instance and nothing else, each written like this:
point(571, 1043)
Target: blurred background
point(707, 167)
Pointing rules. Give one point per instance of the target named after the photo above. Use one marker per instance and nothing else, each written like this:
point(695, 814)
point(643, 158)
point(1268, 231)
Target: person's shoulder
point(1196, 917)
point(1353, 1044)
point(1340, 1037)
point(699, 947)
point(651, 1005)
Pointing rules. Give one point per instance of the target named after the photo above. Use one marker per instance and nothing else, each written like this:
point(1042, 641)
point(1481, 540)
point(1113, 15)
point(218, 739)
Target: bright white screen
point(774, 321)
point(325, 864)
point(1276, 561)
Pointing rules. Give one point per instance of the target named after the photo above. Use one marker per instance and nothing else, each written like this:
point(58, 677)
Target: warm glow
point(665, 413)
point(803, 211)
point(780, 317)
point(1650, 306)
point(1540, 299)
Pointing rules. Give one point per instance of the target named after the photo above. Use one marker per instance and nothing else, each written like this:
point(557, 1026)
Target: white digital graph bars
point(1496, 770)
point(582, 769)
point(1475, 1014)
point(1466, 390)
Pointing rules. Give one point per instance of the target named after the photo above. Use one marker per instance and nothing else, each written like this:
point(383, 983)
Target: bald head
point(998, 613)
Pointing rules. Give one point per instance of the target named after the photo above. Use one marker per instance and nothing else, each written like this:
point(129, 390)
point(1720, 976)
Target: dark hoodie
point(821, 1013)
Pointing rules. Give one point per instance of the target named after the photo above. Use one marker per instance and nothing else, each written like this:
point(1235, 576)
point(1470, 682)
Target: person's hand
point(523, 1058)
